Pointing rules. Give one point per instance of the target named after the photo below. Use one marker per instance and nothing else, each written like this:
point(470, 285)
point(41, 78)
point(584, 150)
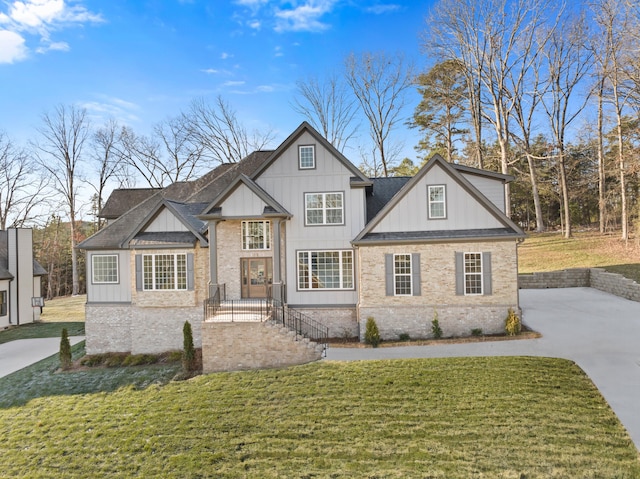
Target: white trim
point(323, 208)
point(93, 268)
point(308, 286)
point(479, 273)
point(396, 275)
point(443, 202)
point(176, 275)
point(266, 235)
point(313, 157)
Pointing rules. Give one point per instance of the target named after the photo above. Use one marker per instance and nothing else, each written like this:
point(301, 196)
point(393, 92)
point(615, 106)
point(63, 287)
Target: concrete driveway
point(21, 353)
point(597, 330)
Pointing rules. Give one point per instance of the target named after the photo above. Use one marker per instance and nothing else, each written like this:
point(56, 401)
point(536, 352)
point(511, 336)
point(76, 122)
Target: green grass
point(437, 418)
point(41, 330)
point(552, 252)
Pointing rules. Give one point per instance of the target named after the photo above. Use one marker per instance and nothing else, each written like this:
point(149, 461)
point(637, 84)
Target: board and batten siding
point(242, 202)
point(491, 188)
point(113, 292)
point(165, 221)
point(463, 211)
point(287, 184)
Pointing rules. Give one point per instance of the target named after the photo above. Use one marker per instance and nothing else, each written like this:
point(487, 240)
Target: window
point(472, 273)
point(3, 303)
point(164, 272)
point(402, 274)
point(325, 269)
point(437, 202)
point(256, 235)
point(307, 157)
point(323, 208)
point(104, 268)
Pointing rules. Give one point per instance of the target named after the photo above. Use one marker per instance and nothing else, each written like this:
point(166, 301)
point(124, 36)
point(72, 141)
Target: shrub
point(371, 334)
point(189, 352)
point(512, 324)
point(114, 360)
point(436, 330)
point(404, 337)
point(65, 350)
point(92, 360)
point(476, 332)
point(140, 359)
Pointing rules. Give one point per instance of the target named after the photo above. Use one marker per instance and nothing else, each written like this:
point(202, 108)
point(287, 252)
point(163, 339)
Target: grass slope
point(443, 418)
point(65, 308)
point(551, 252)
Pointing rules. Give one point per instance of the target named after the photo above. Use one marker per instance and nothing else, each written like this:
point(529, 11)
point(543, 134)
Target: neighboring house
point(20, 278)
point(303, 223)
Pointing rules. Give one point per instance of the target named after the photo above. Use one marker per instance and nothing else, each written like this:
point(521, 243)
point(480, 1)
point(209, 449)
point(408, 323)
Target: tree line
point(547, 93)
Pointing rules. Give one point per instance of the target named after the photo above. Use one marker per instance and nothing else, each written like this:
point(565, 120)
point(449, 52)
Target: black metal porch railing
point(242, 310)
point(212, 303)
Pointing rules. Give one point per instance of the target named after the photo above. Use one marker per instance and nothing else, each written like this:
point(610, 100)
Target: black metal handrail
point(302, 324)
point(212, 303)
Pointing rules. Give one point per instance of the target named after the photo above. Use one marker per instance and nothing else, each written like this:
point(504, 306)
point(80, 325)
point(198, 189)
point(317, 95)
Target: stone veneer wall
point(253, 345)
point(457, 314)
point(342, 322)
point(597, 278)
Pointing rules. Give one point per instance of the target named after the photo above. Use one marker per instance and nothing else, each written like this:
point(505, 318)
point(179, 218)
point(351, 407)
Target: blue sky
point(143, 61)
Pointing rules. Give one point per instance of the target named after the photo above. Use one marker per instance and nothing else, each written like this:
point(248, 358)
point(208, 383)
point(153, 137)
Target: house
point(20, 278)
point(303, 225)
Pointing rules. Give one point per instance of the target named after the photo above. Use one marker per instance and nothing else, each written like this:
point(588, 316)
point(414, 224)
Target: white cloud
point(225, 55)
point(41, 18)
point(255, 24)
point(383, 8)
point(233, 83)
point(304, 17)
point(210, 71)
point(12, 47)
point(125, 112)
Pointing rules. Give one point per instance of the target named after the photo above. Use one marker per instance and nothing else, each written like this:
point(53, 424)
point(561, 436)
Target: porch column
point(213, 252)
point(277, 274)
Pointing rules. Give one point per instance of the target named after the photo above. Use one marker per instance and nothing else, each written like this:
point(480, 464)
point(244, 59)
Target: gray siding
point(110, 293)
point(463, 211)
point(493, 189)
point(4, 286)
point(165, 221)
point(287, 184)
point(242, 203)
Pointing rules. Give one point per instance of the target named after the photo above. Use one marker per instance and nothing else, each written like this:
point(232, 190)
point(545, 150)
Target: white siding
point(242, 203)
point(287, 184)
point(110, 293)
point(493, 189)
point(463, 210)
point(165, 221)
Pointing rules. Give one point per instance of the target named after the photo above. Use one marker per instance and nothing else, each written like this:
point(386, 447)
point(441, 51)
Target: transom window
point(324, 208)
point(472, 273)
point(402, 274)
point(256, 235)
point(307, 157)
point(325, 269)
point(104, 268)
point(164, 272)
point(437, 202)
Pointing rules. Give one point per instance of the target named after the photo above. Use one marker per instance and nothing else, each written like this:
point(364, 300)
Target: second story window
point(324, 208)
point(437, 202)
point(256, 235)
point(307, 157)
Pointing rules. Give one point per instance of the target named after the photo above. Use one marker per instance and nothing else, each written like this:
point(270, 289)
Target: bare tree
point(568, 62)
point(107, 159)
point(63, 135)
point(494, 40)
point(218, 133)
point(21, 189)
point(328, 107)
point(620, 44)
point(379, 83)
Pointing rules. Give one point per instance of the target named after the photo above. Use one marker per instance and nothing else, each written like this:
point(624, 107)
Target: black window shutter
point(415, 274)
point(486, 274)
point(138, 272)
point(388, 273)
point(459, 273)
point(190, 272)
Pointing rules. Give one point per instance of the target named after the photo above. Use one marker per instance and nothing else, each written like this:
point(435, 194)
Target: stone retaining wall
point(598, 278)
point(253, 345)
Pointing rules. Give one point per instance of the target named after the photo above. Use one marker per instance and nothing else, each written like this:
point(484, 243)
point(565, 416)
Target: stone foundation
point(455, 321)
point(342, 322)
point(123, 328)
point(253, 345)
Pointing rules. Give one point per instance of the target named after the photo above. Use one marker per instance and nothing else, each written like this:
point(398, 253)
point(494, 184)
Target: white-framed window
point(473, 273)
point(324, 208)
point(402, 275)
point(307, 157)
point(104, 268)
point(164, 272)
point(437, 201)
point(256, 235)
point(325, 269)
point(3, 303)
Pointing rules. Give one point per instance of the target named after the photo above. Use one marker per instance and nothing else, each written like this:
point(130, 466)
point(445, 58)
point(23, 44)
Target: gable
point(164, 220)
point(242, 202)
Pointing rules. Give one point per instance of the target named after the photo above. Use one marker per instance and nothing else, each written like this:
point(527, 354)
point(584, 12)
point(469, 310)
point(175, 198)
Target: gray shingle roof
point(435, 236)
point(122, 200)
point(382, 191)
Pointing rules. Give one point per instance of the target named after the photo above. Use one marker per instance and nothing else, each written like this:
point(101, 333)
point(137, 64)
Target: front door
point(256, 277)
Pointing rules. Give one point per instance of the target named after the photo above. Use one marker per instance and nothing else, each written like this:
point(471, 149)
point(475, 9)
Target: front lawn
point(41, 330)
point(437, 418)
